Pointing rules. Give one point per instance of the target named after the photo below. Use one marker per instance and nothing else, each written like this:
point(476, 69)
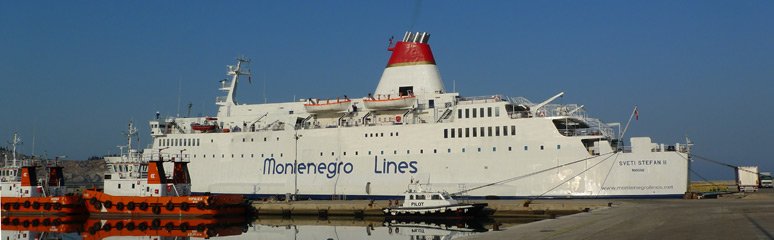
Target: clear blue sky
point(74, 72)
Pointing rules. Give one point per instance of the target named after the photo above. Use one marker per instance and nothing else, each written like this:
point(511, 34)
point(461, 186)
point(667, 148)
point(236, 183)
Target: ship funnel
point(411, 68)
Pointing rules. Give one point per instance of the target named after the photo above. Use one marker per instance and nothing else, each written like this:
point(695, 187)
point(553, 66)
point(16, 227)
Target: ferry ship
point(411, 127)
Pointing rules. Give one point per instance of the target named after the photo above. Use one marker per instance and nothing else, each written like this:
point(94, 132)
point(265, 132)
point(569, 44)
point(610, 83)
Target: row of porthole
point(392, 134)
point(421, 151)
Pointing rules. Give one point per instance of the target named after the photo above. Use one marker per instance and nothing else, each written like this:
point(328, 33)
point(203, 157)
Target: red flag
point(636, 113)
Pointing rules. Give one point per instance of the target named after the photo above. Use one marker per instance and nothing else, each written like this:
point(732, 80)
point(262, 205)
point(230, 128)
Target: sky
point(73, 73)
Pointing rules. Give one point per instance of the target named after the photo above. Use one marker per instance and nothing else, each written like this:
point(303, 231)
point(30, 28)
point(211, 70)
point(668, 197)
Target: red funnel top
point(413, 50)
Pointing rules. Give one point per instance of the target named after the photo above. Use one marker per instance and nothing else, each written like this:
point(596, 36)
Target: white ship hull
point(458, 144)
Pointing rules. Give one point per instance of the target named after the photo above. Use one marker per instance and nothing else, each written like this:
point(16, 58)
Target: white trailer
point(747, 178)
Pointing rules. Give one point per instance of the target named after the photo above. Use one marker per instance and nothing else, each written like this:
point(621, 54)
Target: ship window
point(479, 149)
point(390, 134)
point(277, 138)
point(321, 153)
point(481, 112)
point(381, 152)
point(369, 152)
point(489, 111)
point(366, 135)
point(203, 156)
point(505, 130)
point(243, 156)
point(381, 134)
point(272, 155)
point(262, 155)
point(449, 150)
point(467, 132)
point(436, 197)
point(212, 140)
point(420, 197)
point(355, 153)
point(264, 139)
point(119, 186)
point(474, 113)
point(243, 139)
point(435, 150)
point(251, 155)
point(483, 134)
point(513, 130)
point(132, 185)
point(459, 132)
point(558, 146)
point(541, 147)
point(252, 140)
point(345, 154)
point(467, 113)
point(452, 133)
point(411, 197)
point(396, 134)
point(497, 111)
point(497, 131)
point(494, 149)
point(332, 153)
point(475, 132)
point(526, 148)
point(510, 148)
point(463, 149)
point(459, 113)
point(395, 152)
point(421, 151)
point(489, 130)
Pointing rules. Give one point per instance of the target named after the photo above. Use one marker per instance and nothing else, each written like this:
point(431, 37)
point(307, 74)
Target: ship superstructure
point(336, 146)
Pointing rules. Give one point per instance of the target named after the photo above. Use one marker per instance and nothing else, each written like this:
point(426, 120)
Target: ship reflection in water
point(22, 227)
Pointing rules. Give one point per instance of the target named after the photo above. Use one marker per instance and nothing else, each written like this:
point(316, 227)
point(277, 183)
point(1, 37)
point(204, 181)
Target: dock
point(748, 216)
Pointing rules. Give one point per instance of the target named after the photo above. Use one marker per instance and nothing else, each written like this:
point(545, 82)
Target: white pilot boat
point(422, 202)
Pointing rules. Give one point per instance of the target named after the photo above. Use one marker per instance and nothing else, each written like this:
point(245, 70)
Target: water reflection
point(36, 227)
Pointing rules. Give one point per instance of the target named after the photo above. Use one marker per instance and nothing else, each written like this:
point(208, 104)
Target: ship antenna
point(16, 140)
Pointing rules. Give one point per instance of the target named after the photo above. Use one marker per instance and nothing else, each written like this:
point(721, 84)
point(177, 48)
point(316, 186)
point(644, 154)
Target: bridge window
point(497, 111)
point(474, 113)
point(467, 132)
point(541, 147)
point(497, 131)
point(489, 131)
point(513, 130)
point(459, 132)
point(475, 132)
point(467, 113)
point(489, 111)
point(459, 113)
point(505, 130)
point(481, 112)
point(452, 133)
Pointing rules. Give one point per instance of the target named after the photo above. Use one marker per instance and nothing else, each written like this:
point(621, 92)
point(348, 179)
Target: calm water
point(263, 228)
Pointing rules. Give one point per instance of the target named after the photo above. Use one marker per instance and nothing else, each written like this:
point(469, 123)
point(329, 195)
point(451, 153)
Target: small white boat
point(382, 103)
point(317, 106)
point(421, 202)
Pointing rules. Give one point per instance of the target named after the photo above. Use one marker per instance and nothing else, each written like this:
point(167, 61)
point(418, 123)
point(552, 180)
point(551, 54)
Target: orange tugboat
point(136, 186)
point(23, 193)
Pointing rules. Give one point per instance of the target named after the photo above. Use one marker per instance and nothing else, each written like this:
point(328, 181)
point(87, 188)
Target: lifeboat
point(318, 106)
point(162, 227)
point(22, 193)
point(136, 186)
point(387, 103)
point(203, 127)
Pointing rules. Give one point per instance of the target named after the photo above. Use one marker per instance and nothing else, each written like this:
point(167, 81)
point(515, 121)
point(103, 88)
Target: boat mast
point(15, 141)
point(230, 87)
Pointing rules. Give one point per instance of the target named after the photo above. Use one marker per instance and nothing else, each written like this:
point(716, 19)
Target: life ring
point(397, 118)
